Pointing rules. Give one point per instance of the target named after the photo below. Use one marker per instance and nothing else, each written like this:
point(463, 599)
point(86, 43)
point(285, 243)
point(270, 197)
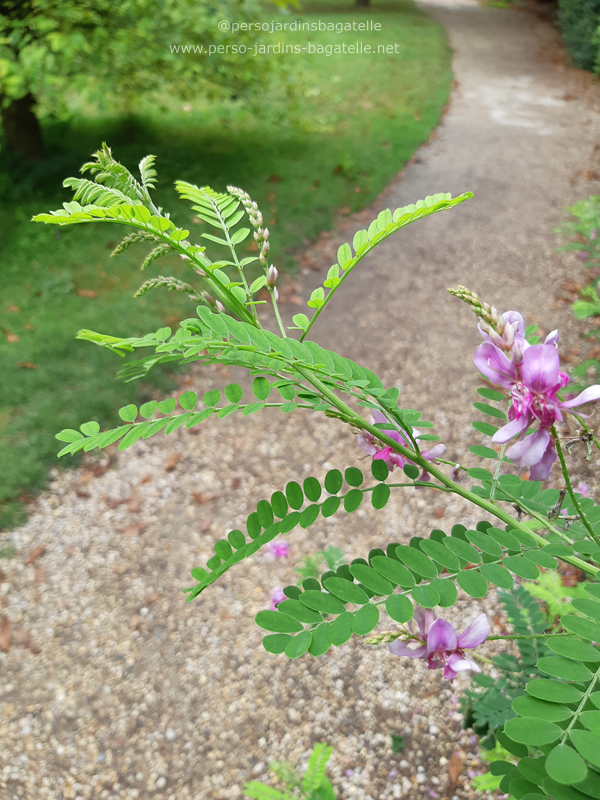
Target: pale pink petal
point(476, 633)
point(365, 442)
point(277, 596)
point(513, 428)
point(540, 368)
point(377, 417)
point(530, 450)
point(587, 396)
point(449, 673)
point(399, 648)
point(437, 451)
point(494, 365)
point(552, 338)
point(397, 459)
point(518, 349)
point(541, 470)
point(459, 663)
point(424, 617)
point(441, 636)
point(516, 320)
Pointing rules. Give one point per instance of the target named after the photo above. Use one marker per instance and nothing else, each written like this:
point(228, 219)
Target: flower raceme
point(437, 642)
point(531, 375)
point(369, 444)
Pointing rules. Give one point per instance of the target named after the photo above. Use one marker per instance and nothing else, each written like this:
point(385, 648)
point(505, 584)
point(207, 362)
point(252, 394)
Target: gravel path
point(113, 686)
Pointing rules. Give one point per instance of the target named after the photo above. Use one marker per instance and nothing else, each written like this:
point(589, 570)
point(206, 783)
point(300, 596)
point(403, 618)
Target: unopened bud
point(509, 336)
point(220, 306)
point(272, 275)
point(265, 233)
point(516, 353)
point(496, 338)
point(275, 294)
point(256, 236)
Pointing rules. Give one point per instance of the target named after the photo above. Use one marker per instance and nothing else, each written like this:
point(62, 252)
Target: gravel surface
point(113, 686)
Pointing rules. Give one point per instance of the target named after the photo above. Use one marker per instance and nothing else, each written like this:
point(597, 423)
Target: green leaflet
point(364, 242)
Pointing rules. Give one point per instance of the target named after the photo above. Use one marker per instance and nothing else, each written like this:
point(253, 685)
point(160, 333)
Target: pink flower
point(438, 644)
point(277, 596)
point(370, 445)
point(583, 489)
point(532, 382)
point(278, 549)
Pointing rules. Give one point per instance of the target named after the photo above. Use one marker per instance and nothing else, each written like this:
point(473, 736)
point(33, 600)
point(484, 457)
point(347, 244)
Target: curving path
point(113, 687)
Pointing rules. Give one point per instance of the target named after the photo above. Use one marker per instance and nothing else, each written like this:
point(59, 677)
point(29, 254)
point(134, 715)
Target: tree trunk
point(22, 128)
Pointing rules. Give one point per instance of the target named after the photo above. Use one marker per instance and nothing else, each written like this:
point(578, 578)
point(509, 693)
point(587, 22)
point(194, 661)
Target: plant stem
point(565, 472)
point(582, 704)
point(359, 423)
point(497, 473)
point(526, 636)
point(277, 314)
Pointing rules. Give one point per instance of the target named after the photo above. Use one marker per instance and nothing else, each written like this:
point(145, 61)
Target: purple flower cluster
point(369, 444)
point(437, 642)
point(277, 550)
point(532, 377)
point(277, 596)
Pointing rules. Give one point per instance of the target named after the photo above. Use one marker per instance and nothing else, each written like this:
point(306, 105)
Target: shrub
point(579, 22)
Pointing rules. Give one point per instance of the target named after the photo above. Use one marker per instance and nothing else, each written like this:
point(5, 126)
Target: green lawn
point(351, 123)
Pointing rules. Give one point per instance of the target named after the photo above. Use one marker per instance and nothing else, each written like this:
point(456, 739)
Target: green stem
point(497, 473)
point(240, 269)
point(581, 706)
point(277, 314)
point(574, 500)
point(497, 512)
point(527, 636)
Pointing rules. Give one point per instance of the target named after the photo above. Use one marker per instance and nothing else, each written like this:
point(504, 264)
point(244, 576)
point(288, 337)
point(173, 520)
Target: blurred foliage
point(112, 54)
point(329, 138)
point(580, 25)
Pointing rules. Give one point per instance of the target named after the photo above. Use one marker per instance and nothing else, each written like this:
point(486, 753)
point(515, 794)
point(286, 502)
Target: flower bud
point(275, 294)
point(516, 353)
point(496, 338)
point(272, 275)
point(220, 306)
point(509, 336)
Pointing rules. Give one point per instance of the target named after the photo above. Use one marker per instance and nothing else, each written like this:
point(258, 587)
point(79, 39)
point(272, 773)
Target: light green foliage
point(550, 590)
point(583, 231)
point(584, 228)
point(324, 132)
point(101, 50)
point(312, 565)
point(349, 598)
point(313, 785)
point(489, 781)
point(579, 22)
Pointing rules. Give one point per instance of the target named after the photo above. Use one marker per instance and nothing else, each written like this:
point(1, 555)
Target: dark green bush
point(579, 22)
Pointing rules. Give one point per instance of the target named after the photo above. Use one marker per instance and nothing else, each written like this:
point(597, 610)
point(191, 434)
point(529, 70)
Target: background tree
point(113, 54)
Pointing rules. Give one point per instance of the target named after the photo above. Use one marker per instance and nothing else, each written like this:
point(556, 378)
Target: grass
point(351, 125)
